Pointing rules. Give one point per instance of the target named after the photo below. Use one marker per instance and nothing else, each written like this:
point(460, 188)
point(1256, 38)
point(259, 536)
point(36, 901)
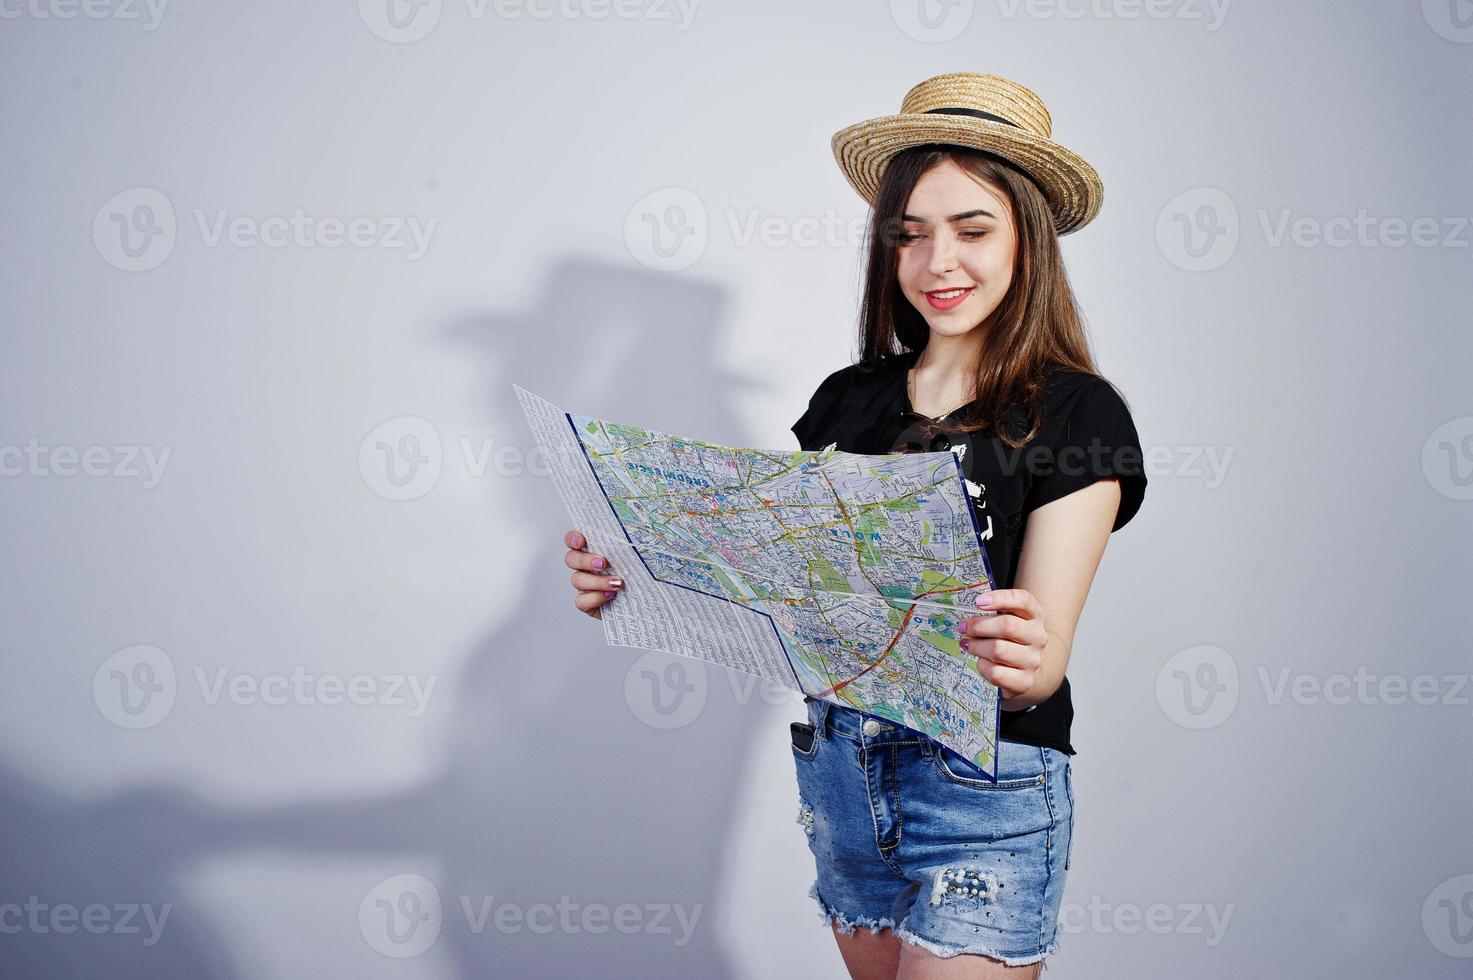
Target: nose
point(943, 255)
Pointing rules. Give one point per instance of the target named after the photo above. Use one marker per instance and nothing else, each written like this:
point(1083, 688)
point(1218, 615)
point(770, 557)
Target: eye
point(906, 237)
point(973, 235)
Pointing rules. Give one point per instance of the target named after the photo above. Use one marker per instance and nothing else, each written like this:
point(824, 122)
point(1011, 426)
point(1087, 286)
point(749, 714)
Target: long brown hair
point(1036, 328)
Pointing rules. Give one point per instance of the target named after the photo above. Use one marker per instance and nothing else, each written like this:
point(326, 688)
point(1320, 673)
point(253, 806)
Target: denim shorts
point(909, 836)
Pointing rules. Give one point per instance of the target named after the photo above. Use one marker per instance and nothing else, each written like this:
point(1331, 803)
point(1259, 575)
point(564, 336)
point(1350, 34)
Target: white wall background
point(531, 145)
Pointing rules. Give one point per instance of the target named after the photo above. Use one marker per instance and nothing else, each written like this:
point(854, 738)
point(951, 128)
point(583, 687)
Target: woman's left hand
point(1008, 646)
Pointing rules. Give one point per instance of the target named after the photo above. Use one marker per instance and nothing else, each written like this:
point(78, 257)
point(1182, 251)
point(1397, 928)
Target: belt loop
point(818, 716)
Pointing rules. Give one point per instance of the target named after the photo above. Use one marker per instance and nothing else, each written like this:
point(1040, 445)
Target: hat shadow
point(550, 785)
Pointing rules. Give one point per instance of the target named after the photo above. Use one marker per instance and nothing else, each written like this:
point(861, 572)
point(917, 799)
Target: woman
point(970, 340)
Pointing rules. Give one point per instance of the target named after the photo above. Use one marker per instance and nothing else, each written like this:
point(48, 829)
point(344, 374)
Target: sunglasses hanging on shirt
point(912, 432)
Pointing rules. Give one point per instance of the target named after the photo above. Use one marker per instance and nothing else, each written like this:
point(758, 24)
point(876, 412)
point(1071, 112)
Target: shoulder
point(1065, 387)
point(1078, 400)
point(842, 392)
point(857, 379)
point(1087, 433)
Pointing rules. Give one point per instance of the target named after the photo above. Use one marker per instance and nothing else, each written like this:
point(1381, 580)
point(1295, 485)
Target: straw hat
point(985, 112)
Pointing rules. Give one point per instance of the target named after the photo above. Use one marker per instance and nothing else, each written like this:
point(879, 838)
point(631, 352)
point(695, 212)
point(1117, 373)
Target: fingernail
point(599, 562)
point(964, 644)
point(985, 599)
point(616, 582)
point(610, 595)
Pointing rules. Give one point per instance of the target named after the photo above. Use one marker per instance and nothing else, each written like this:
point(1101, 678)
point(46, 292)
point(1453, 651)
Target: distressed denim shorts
point(911, 837)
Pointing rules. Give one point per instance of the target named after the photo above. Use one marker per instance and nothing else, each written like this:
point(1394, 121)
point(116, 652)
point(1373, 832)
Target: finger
point(587, 562)
point(591, 600)
point(1005, 653)
point(575, 540)
point(588, 582)
point(1019, 602)
point(1005, 627)
point(1011, 680)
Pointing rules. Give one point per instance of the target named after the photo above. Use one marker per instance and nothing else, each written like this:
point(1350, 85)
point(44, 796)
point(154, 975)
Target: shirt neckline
point(905, 362)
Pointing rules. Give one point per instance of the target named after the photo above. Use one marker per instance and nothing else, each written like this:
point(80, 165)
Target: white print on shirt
point(975, 491)
point(829, 448)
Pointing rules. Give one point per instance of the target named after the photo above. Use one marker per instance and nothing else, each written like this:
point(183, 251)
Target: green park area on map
point(864, 565)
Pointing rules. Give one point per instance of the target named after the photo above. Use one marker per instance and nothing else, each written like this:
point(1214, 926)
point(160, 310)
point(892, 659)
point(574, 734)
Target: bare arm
point(1024, 649)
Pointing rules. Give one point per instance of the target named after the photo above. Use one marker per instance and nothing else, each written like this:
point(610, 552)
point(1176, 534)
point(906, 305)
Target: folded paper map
point(841, 575)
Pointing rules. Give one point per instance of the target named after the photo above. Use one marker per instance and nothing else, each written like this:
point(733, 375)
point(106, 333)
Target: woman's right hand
point(590, 576)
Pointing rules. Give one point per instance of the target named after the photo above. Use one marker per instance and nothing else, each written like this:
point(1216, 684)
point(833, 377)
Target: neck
point(945, 373)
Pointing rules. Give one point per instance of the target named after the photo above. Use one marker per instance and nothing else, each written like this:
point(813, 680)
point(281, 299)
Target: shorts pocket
point(804, 738)
point(955, 769)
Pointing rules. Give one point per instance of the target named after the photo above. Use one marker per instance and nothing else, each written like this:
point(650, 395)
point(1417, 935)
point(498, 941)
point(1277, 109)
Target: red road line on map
point(893, 640)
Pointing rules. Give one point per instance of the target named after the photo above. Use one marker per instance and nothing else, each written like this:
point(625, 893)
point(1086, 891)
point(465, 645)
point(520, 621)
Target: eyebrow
point(978, 213)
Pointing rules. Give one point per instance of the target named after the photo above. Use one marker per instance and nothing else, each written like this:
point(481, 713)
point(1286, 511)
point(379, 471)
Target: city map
point(841, 575)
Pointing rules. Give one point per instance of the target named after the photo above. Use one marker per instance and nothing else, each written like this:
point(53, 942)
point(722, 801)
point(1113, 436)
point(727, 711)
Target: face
point(956, 234)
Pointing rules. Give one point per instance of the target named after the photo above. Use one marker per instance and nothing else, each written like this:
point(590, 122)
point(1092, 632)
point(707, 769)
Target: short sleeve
point(1094, 440)
point(829, 393)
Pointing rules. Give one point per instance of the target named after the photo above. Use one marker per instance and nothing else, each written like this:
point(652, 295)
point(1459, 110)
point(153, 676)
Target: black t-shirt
point(1087, 434)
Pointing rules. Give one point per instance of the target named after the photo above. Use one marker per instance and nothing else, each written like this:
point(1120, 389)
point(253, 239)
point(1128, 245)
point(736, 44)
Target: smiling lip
point(946, 304)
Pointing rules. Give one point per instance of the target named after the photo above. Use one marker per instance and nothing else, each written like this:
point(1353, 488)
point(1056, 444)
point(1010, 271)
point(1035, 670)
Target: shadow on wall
point(552, 784)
